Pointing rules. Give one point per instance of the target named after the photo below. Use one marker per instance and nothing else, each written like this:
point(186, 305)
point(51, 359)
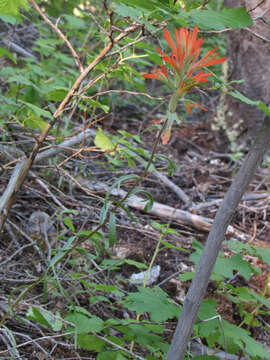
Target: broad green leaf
point(33, 121)
point(242, 338)
point(57, 94)
point(153, 300)
point(149, 4)
point(90, 342)
point(225, 266)
point(218, 20)
point(20, 79)
point(142, 335)
point(85, 324)
point(102, 141)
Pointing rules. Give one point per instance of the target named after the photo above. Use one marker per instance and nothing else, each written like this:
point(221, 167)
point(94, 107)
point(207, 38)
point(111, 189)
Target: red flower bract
point(186, 70)
point(184, 60)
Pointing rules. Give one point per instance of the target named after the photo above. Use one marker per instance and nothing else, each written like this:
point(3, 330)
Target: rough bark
point(248, 54)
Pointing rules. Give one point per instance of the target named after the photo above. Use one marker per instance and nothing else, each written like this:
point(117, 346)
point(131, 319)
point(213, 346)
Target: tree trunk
point(248, 54)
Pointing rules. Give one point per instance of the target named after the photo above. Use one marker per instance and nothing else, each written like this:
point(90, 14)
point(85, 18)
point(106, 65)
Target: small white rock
point(151, 276)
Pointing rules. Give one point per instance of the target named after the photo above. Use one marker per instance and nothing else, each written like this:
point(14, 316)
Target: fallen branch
point(160, 210)
point(65, 146)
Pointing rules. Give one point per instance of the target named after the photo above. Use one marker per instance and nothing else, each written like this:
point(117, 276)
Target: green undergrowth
point(145, 315)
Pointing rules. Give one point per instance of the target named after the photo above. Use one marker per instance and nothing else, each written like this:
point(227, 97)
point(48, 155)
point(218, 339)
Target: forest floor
point(78, 182)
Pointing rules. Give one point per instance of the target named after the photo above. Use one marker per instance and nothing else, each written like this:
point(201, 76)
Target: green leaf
point(142, 334)
point(236, 94)
point(37, 110)
point(8, 18)
point(33, 121)
point(134, 13)
point(138, 265)
point(264, 254)
point(5, 52)
point(153, 300)
point(68, 222)
point(74, 22)
point(45, 318)
point(111, 355)
point(85, 324)
point(90, 342)
point(188, 275)
point(112, 230)
point(149, 204)
point(171, 165)
point(104, 211)
point(11, 7)
point(106, 288)
point(103, 142)
point(245, 342)
point(97, 104)
point(171, 246)
point(57, 94)
point(225, 266)
point(218, 20)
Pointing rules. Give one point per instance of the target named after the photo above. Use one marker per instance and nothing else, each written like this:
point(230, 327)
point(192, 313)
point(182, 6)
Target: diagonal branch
point(216, 236)
point(21, 170)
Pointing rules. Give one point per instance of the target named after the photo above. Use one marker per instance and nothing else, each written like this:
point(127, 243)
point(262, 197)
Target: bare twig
point(59, 32)
point(122, 92)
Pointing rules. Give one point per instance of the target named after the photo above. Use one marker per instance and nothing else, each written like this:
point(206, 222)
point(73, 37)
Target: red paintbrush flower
point(184, 63)
point(184, 60)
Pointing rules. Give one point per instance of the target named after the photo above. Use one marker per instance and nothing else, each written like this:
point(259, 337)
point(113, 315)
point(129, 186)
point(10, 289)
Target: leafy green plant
point(233, 337)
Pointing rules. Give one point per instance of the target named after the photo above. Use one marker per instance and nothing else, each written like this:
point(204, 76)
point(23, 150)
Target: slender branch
point(59, 32)
point(216, 236)
point(102, 54)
